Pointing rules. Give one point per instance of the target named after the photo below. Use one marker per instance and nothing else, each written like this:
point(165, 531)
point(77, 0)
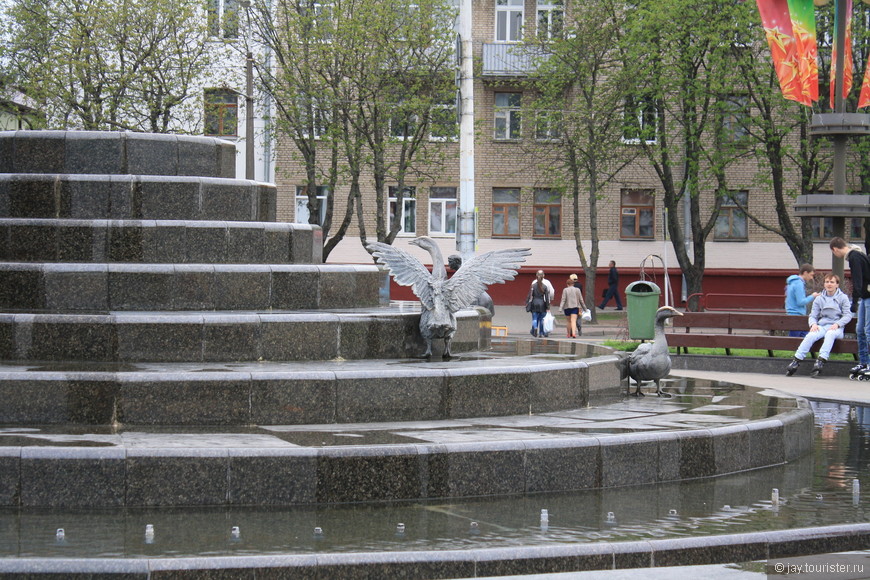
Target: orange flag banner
point(776, 20)
point(864, 99)
point(803, 24)
point(847, 62)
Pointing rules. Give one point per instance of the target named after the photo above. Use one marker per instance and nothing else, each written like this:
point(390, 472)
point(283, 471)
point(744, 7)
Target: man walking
point(796, 297)
point(859, 266)
point(612, 287)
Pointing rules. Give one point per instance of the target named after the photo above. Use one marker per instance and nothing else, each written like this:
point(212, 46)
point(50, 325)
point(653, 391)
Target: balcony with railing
point(511, 60)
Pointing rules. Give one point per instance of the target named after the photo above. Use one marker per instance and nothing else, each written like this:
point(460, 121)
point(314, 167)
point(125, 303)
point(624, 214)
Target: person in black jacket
point(612, 287)
point(859, 266)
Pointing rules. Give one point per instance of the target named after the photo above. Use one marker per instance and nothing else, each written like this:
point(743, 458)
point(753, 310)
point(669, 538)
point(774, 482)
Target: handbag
point(586, 316)
point(549, 320)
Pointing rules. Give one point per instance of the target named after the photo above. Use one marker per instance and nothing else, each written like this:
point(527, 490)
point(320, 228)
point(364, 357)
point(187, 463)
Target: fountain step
point(80, 288)
point(102, 152)
point(296, 393)
point(227, 336)
point(686, 438)
point(159, 241)
point(135, 197)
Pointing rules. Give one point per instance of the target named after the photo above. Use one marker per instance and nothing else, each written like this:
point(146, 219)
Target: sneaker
point(792, 367)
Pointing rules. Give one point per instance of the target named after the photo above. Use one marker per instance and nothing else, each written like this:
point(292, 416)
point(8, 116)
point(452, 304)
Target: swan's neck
point(439, 272)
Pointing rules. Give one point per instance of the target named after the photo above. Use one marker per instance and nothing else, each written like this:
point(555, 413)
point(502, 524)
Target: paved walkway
point(826, 388)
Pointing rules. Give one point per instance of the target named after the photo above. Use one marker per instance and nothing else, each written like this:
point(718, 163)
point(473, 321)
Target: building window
point(442, 211)
point(403, 122)
point(302, 213)
point(443, 125)
point(509, 20)
point(735, 118)
point(506, 212)
point(548, 213)
point(550, 19)
point(732, 222)
point(637, 211)
point(639, 121)
point(221, 113)
point(223, 18)
point(408, 214)
point(314, 118)
point(548, 125)
point(323, 20)
point(507, 115)
point(823, 229)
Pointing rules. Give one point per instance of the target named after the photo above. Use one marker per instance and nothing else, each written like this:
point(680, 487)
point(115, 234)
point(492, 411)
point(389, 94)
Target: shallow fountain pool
point(814, 491)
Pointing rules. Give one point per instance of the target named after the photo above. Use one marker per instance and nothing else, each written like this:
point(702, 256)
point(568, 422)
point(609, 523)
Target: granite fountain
point(166, 344)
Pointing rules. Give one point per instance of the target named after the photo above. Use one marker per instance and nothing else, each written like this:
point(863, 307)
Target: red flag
point(803, 25)
point(847, 61)
point(864, 99)
point(776, 20)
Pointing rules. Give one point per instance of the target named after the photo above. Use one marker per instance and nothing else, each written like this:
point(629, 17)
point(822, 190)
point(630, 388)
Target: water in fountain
point(167, 344)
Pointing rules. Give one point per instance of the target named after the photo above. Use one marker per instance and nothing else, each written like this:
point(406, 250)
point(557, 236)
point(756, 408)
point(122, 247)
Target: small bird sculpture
point(652, 361)
point(441, 297)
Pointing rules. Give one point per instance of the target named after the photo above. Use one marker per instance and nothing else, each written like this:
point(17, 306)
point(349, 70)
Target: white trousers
point(810, 339)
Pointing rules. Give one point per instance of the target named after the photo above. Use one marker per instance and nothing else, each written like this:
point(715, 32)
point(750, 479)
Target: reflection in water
point(813, 491)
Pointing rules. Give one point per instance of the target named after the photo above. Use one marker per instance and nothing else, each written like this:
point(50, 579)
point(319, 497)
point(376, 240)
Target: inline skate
point(857, 371)
point(817, 368)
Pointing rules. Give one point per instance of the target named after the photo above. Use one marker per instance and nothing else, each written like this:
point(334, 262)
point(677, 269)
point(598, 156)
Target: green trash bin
point(642, 299)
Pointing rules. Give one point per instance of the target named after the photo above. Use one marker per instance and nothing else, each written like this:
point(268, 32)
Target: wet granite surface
point(222, 458)
point(108, 152)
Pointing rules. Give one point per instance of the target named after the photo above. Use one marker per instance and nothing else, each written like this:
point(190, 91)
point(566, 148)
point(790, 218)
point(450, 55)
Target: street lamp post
point(839, 126)
point(466, 235)
point(249, 95)
point(249, 116)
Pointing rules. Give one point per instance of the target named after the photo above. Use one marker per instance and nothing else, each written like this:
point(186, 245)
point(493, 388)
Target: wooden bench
point(749, 331)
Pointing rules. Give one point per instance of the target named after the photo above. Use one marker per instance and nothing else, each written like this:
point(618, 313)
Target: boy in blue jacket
point(796, 297)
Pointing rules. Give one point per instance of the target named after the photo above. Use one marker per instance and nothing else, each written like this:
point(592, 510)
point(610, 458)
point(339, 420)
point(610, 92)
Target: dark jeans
point(612, 292)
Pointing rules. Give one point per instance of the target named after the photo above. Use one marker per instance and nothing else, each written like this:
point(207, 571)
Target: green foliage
point(358, 84)
point(107, 64)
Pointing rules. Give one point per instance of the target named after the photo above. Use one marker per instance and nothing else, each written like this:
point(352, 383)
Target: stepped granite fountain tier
point(162, 338)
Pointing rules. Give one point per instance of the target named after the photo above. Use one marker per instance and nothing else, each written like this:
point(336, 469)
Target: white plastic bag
point(586, 316)
point(549, 320)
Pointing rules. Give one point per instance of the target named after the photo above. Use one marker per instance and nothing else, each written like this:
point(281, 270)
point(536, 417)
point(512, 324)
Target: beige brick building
point(510, 191)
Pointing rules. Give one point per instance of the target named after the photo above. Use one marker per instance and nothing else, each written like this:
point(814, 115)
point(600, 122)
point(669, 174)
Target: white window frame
point(507, 113)
point(548, 126)
point(321, 118)
point(547, 12)
point(505, 12)
point(301, 215)
point(646, 113)
point(444, 209)
point(323, 15)
point(396, 121)
point(735, 118)
point(409, 209)
point(216, 15)
point(445, 110)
